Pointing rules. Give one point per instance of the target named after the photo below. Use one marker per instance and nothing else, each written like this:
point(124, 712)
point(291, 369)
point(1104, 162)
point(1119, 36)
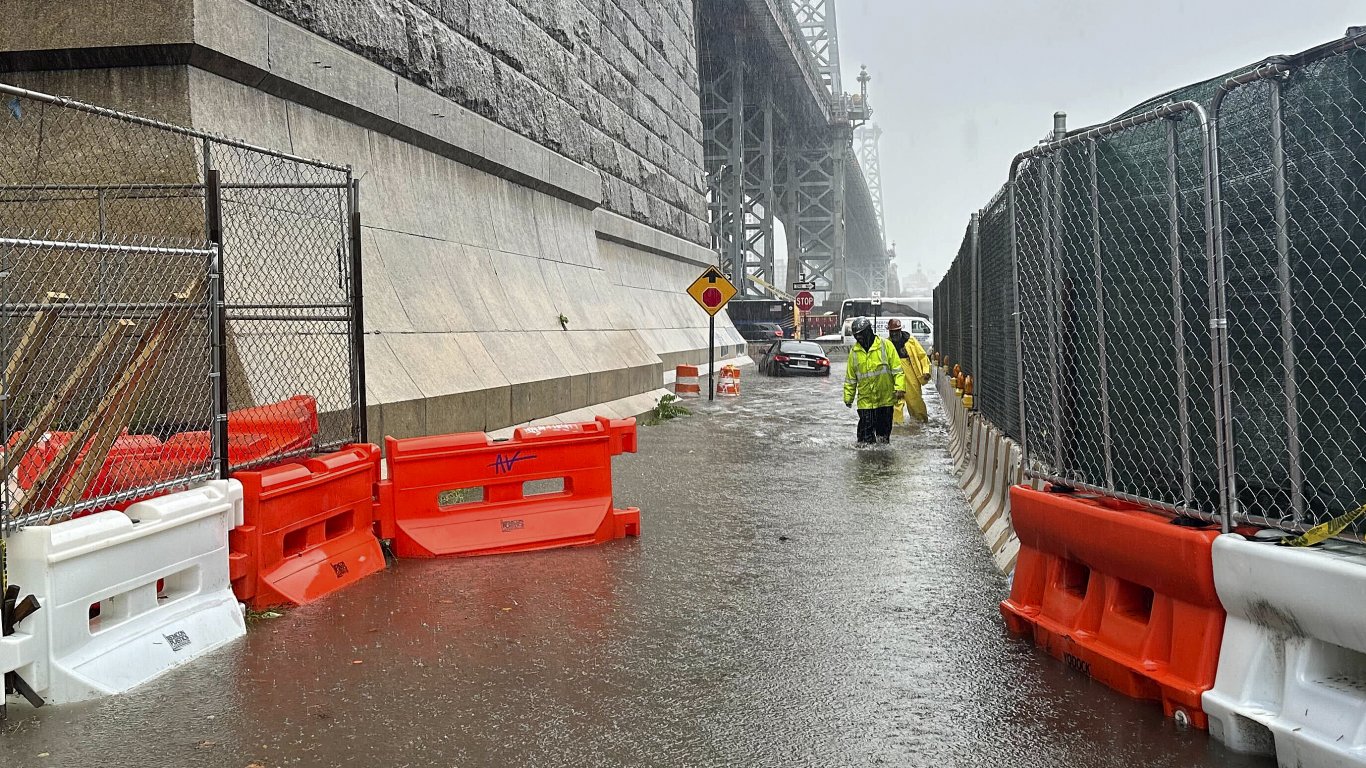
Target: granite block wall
point(609, 83)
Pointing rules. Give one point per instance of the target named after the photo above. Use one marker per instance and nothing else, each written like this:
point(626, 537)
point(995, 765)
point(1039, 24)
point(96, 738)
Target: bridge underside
point(777, 147)
point(500, 285)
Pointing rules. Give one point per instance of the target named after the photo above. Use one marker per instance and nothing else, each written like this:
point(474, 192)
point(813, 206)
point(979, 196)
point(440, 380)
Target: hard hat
point(894, 324)
point(860, 325)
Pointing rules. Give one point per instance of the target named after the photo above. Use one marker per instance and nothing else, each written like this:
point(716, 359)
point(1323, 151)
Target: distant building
point(917, 283)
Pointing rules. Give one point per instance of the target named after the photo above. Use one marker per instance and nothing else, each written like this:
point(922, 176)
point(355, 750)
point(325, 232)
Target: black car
point(757, 331)
point(792, 358)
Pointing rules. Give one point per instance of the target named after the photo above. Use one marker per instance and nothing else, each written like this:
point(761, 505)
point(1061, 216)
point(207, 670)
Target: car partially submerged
point(795, 358)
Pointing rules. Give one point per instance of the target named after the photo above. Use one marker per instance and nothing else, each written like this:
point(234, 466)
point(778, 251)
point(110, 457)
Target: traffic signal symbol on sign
point(711, 290)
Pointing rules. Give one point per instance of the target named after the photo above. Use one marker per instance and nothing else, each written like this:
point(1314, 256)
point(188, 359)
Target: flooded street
point(792, 601)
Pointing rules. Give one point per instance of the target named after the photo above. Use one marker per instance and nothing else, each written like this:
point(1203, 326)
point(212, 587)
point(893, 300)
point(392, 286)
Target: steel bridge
point(778, 145)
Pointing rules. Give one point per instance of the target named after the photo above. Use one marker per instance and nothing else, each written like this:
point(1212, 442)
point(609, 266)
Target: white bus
point(913, 312)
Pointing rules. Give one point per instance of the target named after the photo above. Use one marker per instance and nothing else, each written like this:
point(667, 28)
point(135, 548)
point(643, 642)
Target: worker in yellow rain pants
point(916, 365)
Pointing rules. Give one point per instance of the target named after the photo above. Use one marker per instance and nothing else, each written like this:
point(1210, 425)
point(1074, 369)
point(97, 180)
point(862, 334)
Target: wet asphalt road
point(793, 601)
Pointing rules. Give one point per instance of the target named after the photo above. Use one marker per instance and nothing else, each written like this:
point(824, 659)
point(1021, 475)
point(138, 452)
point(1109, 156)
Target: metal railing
point(153, 280)
point(1180, 291)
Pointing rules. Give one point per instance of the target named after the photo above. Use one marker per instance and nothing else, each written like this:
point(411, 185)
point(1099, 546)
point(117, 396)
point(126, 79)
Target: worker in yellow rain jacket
point(917, 367)
point(875, 379)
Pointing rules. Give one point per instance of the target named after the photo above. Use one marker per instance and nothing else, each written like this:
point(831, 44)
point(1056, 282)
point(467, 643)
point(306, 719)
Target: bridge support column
point(760, 198)
point(723, 148)
point(819, 181)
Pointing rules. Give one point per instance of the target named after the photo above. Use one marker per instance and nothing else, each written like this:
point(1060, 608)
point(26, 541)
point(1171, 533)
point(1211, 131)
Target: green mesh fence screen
point(1106, 245)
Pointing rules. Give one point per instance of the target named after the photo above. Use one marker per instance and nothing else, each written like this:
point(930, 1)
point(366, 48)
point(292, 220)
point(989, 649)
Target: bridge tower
point(742, 126)
point(866, 140)
point(778, 145)
point(866, 144)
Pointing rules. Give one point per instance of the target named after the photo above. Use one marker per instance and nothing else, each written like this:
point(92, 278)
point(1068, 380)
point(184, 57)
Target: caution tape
point(1324, 531)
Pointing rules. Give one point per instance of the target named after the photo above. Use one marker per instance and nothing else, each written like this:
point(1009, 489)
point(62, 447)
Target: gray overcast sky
point(960, 86)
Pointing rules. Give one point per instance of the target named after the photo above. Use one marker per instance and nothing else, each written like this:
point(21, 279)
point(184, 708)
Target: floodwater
point(793, 601)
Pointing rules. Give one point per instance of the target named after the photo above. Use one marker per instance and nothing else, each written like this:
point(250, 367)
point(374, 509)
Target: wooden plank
point(35, 338)
point(111, 416)
point(102, 426)
point(79, 378)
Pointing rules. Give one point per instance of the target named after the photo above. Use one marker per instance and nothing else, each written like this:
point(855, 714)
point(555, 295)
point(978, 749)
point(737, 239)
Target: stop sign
point(805, 301)
point(712, 297)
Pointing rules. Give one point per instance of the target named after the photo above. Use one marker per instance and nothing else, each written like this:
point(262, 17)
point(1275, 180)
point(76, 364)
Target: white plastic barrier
point(972, 445)
point(989, 504)
point(987, 463)
point(990, 500)
point(976, 482)
point(159, 576)
point(957, 415)
point(1292, 668)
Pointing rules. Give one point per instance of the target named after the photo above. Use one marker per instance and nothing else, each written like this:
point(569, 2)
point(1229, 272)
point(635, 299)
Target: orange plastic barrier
point(287, 426)
point(112, 476)
point(309, 528)
point(255, 435)
point(465, 494)
point(1118, 592)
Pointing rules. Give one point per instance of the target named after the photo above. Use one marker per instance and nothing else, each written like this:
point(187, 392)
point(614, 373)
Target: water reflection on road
point(794, 601)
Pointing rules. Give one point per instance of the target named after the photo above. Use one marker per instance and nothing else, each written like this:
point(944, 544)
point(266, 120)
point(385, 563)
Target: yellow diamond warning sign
point(711, 290)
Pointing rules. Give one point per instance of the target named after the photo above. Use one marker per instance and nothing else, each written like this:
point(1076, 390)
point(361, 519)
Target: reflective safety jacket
point(875, 375)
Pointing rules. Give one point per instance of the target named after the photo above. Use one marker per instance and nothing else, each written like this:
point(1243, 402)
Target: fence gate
point(173, 306)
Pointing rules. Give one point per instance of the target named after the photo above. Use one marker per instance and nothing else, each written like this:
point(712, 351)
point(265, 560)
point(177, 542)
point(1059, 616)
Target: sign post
point(806, 301)
point(711, 290)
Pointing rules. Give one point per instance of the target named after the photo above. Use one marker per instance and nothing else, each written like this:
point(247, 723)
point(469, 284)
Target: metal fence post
point(1178, 314)
point(1287, 306)
point(1218, 323)
point(976, 288)
point(1015, 315)
point(6, 393)
point(1054, 272)
point(362, 428)
point(1099, 267)
point(213, 207)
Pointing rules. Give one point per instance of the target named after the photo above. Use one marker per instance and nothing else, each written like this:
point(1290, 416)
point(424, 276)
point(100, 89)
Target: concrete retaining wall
point(476, 239)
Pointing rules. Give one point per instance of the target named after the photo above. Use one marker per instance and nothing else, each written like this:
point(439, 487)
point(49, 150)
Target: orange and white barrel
point(686, 381)
point(728, 385)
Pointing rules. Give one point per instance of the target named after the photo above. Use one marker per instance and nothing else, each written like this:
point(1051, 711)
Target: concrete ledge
point(622, 408)
point(616, 228)
point(238, 41)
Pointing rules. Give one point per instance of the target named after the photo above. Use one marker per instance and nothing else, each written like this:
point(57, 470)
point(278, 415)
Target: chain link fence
point(1292, 189)
point(1167, 308)
point(173, 306)
point(995, 374)
point(953, 309)
point(290, 286)
point(1102, 247)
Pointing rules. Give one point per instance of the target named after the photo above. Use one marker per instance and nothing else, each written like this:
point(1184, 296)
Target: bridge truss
point(778, 147)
